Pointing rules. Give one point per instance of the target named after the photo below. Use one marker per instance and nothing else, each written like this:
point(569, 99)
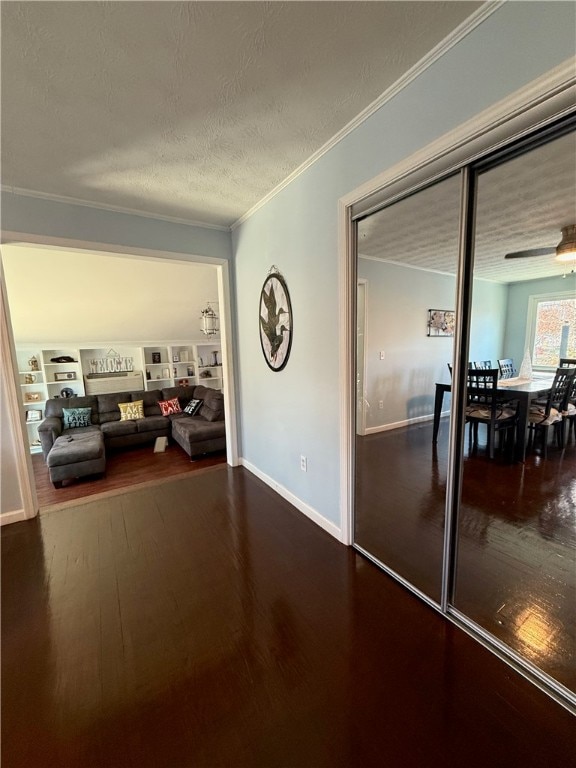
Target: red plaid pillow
point(170, 406)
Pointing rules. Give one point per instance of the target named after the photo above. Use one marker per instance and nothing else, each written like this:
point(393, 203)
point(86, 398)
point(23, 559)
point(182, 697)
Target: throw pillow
point(131, 411)
point(168, 407)
point(193, 406)
point(76, 417)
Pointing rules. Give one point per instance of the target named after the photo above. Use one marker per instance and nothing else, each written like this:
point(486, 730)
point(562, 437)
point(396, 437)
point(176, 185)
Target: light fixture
point(209, 321)
point(566, 248)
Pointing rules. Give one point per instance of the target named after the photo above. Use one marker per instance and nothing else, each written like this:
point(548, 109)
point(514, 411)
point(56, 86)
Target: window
point(553, 329)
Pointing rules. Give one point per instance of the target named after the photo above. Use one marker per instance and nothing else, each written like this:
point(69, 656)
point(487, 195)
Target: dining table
point(524, 391)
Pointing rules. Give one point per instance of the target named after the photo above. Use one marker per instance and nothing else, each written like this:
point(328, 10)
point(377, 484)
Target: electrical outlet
point(382, 354)
point(381, 404)
point(303, 463)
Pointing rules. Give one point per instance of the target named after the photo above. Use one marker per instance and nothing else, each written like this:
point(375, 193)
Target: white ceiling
point(194, 110)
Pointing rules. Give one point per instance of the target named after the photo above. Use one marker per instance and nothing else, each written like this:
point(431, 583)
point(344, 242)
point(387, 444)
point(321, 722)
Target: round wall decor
point(275, 320)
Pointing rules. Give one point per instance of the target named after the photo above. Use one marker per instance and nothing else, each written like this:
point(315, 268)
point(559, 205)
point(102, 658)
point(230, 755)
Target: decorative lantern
point(209, 321)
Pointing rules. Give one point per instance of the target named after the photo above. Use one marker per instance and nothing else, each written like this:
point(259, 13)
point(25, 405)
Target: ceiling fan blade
point(530, 252)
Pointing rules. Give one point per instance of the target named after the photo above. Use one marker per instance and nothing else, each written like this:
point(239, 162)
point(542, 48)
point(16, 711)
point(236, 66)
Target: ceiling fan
point(565, 250)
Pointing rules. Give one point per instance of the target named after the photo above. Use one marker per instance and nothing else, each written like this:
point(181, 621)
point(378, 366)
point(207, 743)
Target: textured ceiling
point(194, 110)
point(522, 204)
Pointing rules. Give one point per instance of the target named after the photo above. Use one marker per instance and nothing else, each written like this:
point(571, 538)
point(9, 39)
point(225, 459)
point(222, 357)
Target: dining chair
point(483, 365)
point(542, 417)
point(569, 412)
point(506, 366)
point(483, 407)
point(470, 365)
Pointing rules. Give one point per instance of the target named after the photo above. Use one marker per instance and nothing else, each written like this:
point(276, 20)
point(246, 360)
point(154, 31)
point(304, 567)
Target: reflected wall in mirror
point(407, 261)
point(516, 537)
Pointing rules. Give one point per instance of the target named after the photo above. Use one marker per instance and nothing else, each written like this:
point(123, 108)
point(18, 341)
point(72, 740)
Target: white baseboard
point(12, 517)
point(404, 423)
point(300, 505)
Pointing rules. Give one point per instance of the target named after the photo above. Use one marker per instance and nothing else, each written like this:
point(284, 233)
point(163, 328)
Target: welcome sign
point(112, 363)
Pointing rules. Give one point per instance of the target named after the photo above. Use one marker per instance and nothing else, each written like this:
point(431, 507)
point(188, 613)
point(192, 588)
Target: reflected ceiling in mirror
point(522, 204)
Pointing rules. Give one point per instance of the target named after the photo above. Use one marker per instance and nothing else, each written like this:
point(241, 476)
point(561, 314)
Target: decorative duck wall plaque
point(275, 320)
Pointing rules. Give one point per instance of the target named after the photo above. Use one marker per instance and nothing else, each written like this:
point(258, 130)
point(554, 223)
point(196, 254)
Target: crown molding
point(112, 208)
point(547, 98)
point(406, 266)
point(460, 32)
point(491, 280)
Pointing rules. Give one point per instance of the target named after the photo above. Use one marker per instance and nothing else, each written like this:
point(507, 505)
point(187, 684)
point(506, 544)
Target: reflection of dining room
point(468, 419)
point(516, 532)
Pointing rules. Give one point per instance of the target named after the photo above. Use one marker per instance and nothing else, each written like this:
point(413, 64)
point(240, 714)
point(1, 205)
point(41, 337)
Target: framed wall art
point(275, 312)
point(441, 322)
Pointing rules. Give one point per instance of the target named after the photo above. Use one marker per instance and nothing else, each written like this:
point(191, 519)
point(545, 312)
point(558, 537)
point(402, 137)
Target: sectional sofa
point(76, 431)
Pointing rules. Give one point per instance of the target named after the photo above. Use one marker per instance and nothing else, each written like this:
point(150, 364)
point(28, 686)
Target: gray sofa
point(198, 434)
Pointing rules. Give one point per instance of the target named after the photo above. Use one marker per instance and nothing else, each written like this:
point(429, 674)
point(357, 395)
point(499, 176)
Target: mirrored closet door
point(515, 573)
point(477, 517)
point(407, 260)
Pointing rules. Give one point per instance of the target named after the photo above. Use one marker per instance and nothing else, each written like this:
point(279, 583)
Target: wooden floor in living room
point(204, 622)
point(124, 468)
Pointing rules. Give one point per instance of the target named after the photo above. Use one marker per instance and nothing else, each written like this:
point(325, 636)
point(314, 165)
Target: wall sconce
point(209, 324)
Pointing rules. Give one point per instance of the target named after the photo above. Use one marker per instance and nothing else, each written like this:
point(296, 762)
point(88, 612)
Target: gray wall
point(488, 321)
point(398, 300)
point(519, 293)
point(80, 222)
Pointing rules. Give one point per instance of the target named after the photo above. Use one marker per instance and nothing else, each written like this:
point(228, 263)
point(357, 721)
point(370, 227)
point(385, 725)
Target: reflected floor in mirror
point(516, 566)
point(206, 623)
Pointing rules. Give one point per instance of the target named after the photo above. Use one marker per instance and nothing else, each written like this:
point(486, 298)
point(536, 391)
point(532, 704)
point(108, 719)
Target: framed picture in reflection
point(441, 322)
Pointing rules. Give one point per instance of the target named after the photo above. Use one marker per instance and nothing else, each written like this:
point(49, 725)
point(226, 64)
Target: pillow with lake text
point(168, 407)
point(75, 418)
point(131, 411)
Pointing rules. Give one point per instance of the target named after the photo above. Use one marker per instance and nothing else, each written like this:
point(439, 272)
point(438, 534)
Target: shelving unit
point(155, 366)
point(209, 357)
point(158, 367)
point(33, 392)
point(184, 366)
point(62, 376)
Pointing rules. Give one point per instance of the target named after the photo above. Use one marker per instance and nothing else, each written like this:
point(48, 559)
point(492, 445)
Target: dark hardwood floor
point(124, 468)
point(516, 538)
point(204, 622)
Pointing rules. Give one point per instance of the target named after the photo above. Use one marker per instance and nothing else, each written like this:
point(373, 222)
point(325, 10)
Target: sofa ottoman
point(76, 456)
point(197, 436)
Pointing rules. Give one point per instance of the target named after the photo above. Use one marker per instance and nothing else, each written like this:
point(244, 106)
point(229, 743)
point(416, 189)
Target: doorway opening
point(89, 313)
